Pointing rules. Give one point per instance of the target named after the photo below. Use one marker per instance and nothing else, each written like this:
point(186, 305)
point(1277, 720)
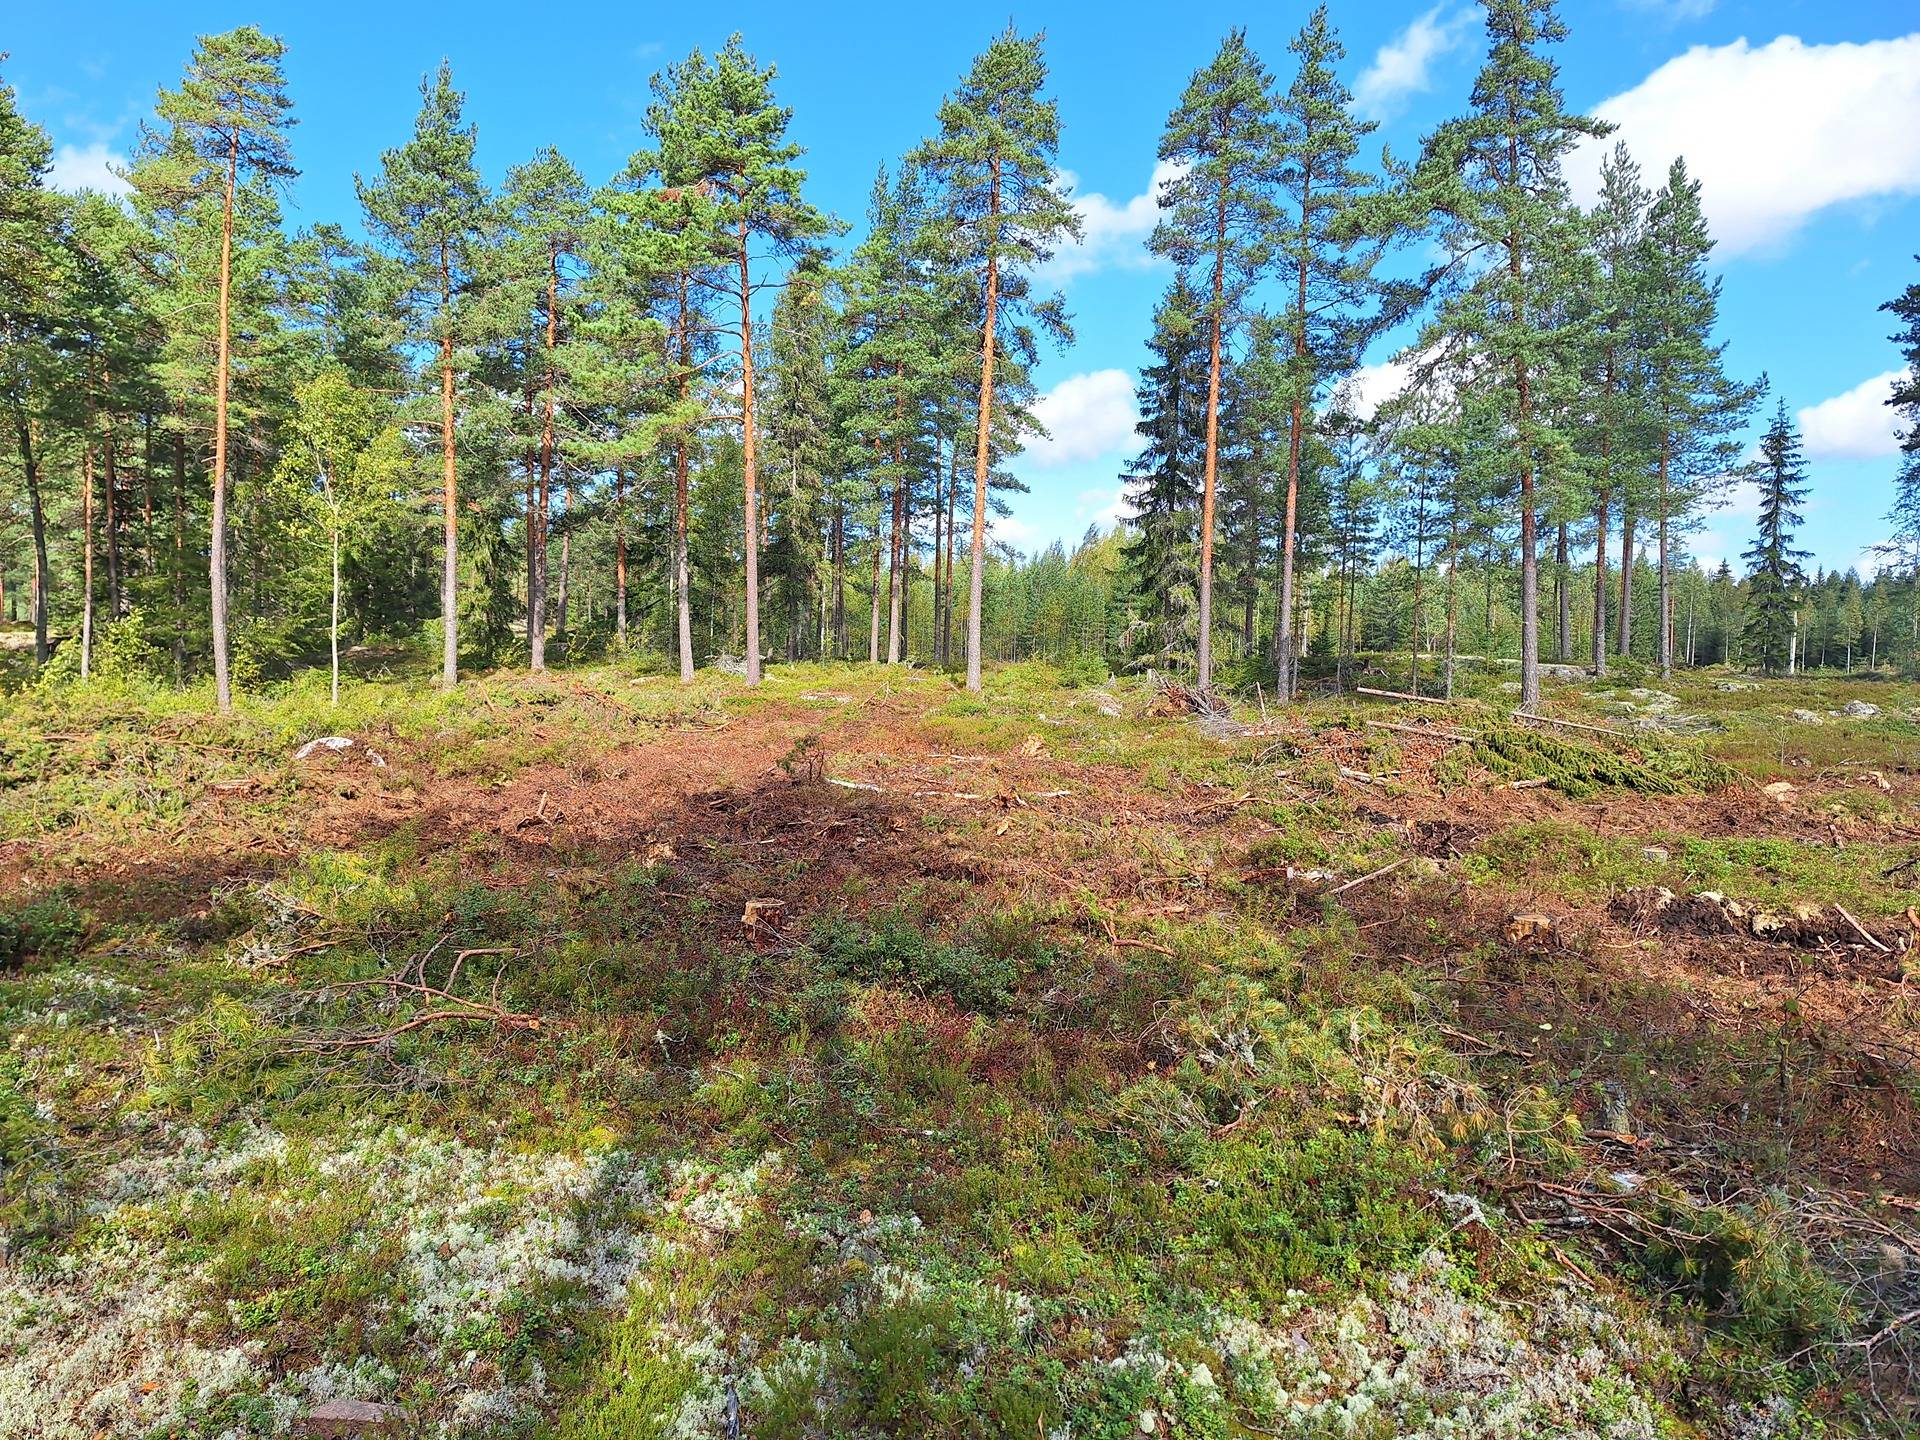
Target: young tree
point(1218, 215)
point(996, 158)
point(731, 135)
point(343, 464)
point(226, 125)
point(1773, 590)
point(429, 206)
point(1512, 239)
point(1318, 139)
point(1904, 517)
point(1693, 409)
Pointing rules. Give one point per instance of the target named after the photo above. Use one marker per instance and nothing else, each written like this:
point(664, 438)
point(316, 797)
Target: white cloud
point(88, 167)
point(1012, 530)
point(1113, 233)
point(1775, 133)
point(1371, 386)
point(1087, 417)
point(1105, 508)
point(1403, 67)
point(1856, 425)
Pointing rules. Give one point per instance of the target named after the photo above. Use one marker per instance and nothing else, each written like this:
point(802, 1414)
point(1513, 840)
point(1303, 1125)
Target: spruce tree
point(1511, 239)
point(226, 126)
point(1773, 589)
point(1163, 483)
point(1326, 283)
point(996, 161)
point(1218, 219)
point(430, 207)
point(1693, 409)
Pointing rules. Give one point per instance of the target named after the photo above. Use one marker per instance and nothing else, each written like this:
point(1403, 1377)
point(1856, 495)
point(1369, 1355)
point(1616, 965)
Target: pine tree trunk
point(1600, 583)
point(1666, 575)
point(1203, 658)
point(1453, 587)
point(873, 597)
point(110, 513)
point(953, 499)
point(620, 555)
point(1623, 622)
point(449, 496)
point(1563, 599)
point(748, 473)
point(983, 434)
point(217, 541)
point(1285, 677)
point(682, 575)
point(566, 574)
point(839, 581)
point(939, 518)
point(179, 548)
point(37, 522)
point(86, 560)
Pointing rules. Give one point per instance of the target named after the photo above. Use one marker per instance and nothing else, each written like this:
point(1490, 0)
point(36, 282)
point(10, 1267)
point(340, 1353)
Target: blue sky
point(1802, 120)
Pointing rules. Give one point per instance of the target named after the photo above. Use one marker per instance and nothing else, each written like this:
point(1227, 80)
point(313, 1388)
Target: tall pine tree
point(430, 208)
point(996, 160)
point(1218, 218)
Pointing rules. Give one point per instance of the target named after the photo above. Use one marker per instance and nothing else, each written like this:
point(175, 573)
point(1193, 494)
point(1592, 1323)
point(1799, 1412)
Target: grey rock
point(1858, 710)
point(348, 1418)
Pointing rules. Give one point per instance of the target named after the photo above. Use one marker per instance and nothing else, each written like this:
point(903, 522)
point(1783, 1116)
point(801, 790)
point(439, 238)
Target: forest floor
point(580, 1055)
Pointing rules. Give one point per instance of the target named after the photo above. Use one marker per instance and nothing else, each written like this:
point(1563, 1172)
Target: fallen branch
point(1385, 869)
point(1573, 725)
point(855, 785)
point(1454, 735)
point(1400, 695)
point(1860, 929)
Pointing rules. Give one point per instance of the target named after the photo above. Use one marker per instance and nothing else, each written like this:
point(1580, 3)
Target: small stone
point(1858, 710)
point(1780, 791)
point(347, 1418)
point(1149, 1422)
point(1655, 854)
point(1807, 717)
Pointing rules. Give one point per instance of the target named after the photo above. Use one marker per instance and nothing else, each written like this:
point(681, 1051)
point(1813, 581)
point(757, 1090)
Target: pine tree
point(431, 208)
point(996, 160)
point(731, 137)
point(1693, 409)
point(1494, 180)
point(1616, 413)
point(1218, 217)
point(664, 228)
point(1326, 283)
point(1773, 589)
point(225, 126)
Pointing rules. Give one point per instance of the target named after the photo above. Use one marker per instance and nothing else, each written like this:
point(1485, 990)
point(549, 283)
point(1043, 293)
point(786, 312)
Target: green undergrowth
point(918, 1159)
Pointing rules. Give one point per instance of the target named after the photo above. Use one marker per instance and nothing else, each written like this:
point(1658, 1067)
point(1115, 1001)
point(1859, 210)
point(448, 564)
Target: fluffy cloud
point(88, 167)
point(1371, 386)
point(1775, 133)
point(1113, 233)
point(1857, 425)
point(1403, 67)
point(1087, 417)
